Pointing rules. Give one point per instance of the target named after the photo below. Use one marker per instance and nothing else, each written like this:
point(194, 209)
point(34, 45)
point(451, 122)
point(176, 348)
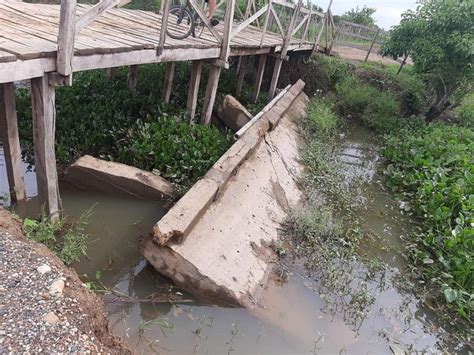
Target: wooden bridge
point(46, 44)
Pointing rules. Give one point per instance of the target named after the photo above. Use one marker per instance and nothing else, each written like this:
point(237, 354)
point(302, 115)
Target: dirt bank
point(45, 307)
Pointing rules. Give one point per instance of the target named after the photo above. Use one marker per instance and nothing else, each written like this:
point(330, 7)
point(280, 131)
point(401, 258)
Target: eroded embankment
point(45, 306)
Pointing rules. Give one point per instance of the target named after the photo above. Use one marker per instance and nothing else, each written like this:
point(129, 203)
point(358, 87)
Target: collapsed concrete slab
point(227, 253)
point(233, 113)
point(89, 173)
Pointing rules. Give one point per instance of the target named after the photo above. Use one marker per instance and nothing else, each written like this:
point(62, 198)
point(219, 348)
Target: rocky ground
point(44, 306)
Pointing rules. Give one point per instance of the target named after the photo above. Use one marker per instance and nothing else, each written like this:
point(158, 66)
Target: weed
point(67, 241)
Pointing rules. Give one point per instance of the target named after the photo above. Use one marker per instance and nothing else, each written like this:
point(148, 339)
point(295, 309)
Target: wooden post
point(286, 42)
point(403, 63)
point(168, 86)
point(66, 34)
point(228, 23)
point(164, 26)
point(258, 79)
point(241, 76)
point(111, 73)
point(132, 78)
point(193, 90)
point(372, 45)
point(306, 27)
point(211, 90)
point(333, 41)
point(44, 117)
point(11, 142)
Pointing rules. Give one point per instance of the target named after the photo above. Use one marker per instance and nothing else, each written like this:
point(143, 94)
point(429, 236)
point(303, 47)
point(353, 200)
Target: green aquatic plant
point(432, 168)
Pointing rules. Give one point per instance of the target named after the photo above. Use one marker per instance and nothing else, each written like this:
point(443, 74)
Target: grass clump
point(433, 169)
point(67, 241)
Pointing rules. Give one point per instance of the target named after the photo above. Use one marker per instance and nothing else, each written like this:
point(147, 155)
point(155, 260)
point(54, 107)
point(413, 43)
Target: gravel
point(38, 311)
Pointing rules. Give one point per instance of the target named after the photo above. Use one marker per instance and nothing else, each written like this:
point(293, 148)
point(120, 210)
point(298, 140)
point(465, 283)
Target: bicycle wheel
point(180, 22)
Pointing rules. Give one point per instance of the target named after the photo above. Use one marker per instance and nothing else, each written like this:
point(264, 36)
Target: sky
point(388, 11)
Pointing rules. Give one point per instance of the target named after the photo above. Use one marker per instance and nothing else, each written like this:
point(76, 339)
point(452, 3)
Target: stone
point(233, 113)
point(57, 287)
point(173, 227)
point(227, 253)
point(44, 269)
point(89, 173)
point(51, 318)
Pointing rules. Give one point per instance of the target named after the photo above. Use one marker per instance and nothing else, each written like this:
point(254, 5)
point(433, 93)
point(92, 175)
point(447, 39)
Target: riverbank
point(45, 306)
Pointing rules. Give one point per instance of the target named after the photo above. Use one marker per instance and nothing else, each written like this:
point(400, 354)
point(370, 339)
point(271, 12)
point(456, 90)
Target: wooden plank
point(211, 90)
point(193, 90)
point(22, 70)
point(95, 11)
point(259, 77)
point(66, 36)
point(168, 84)
point(204, 19)
point(11, 142)
point(44, 116)
point(297, 28)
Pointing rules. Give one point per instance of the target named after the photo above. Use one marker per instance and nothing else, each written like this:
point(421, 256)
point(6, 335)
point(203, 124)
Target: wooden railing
point(300, 21)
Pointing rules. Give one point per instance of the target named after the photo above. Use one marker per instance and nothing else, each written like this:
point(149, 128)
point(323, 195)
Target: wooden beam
point(11, 142)
point(95, 11)
point(132, 77)
point(278, 22)
point(44, 117)
point(211, 90)
point(297, 28)
point(259, 77)
point(284, 50)
point(204, 19)
point(241, 76)
point(66, 34)
point(248, 21)
point(168, 85)
point(193, 90)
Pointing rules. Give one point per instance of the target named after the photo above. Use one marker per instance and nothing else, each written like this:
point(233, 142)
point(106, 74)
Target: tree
point(362, 16)
point(438, 36)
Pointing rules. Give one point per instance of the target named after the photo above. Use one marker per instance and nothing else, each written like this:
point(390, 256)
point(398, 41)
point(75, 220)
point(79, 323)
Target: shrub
point(178, 151)
point(354, 96)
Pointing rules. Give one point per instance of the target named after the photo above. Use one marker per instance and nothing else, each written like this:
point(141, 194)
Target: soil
point(35, 318)
point(352, 53)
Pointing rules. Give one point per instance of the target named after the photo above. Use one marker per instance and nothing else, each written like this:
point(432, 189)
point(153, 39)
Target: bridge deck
point(28, 41)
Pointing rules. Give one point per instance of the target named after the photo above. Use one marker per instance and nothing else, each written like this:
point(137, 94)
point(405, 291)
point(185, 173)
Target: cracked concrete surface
point(223, 256)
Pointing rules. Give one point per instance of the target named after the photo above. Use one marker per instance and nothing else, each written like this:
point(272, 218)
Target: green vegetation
point(67, 241)
point(177, 151)
point(361, 16)
point(438, 37)
point(433, 167)
point(430, 166)
point(100, 116)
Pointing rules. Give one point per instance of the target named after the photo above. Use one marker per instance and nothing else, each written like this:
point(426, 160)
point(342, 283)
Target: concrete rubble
point(220, 246)
point(89, 173)
point(233, 113)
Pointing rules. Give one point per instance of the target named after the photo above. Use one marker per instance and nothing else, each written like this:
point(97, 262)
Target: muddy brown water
point(153, 316)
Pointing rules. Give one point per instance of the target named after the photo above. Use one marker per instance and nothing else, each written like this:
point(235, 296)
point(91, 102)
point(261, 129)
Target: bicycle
point(183, 21)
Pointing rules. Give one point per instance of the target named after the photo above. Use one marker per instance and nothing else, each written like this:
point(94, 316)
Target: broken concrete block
point(109, 177)
point(227, 254)
point(276, 112)
point(233, 113)
point(173, 227)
